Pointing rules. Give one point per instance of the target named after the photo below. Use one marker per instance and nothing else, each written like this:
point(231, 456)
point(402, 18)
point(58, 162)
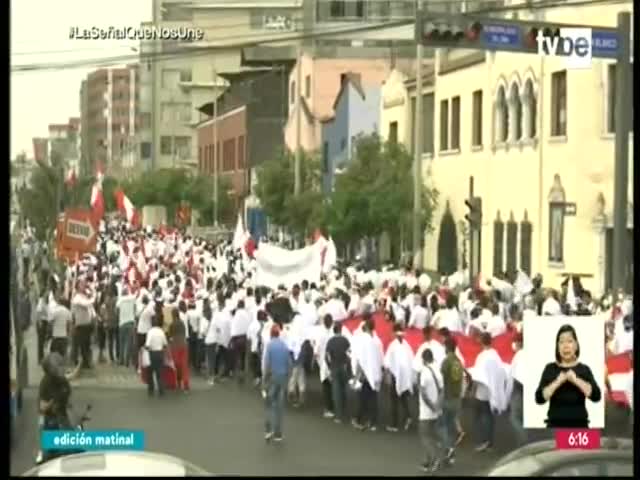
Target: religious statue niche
point(557, 199)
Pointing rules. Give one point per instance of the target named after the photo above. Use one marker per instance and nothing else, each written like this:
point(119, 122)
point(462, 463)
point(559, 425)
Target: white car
point(117, 464)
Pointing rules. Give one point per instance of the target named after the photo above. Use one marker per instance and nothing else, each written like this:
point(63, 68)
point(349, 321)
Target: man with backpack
point(431, 396)
point(453, 376)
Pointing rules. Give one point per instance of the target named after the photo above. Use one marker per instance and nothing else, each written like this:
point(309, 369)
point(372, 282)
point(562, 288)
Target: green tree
point(171, 187)
point(275, 189)
point(375, 193)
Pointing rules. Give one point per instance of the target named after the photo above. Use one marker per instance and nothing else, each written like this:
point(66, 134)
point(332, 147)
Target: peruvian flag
point(619, 367)
point(126, 208)
point(70, 179)
point(97, 200)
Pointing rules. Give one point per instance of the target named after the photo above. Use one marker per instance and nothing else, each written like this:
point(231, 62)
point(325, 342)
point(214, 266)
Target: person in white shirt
point(222, 323)
point(551, 306)
point(145, 322)
point(254, 336)
point(126, 307)
point(369, 361)
point(239, 328)
point(398, 362)
point(335, 308)
point(60, 328)
point(449, 317)
point(194, 318)
point(156, 344)
point(419, 317)
point(430, 392)
point(42, 324)
point(83, 313)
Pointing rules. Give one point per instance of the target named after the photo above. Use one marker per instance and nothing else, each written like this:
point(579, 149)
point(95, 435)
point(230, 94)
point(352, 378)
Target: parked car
point(613, 459)
point(117, 464)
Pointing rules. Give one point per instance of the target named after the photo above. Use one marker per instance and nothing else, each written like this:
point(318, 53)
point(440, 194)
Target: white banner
point(278, 266)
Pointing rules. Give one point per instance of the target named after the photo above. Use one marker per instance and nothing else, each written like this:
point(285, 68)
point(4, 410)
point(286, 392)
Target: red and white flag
point(97, 199)
point(126, 208)
point(70, 179)
point(619, 367)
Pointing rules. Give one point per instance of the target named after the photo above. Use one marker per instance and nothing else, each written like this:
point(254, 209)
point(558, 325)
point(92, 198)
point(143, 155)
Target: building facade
point(179, 84)
point(64, 144)
point(321, 82)
point(538, 140)
point(110, 121)
point(357, 110)
point(41, 150)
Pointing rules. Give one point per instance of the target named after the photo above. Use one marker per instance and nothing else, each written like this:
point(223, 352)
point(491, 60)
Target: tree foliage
point(373, 195)
point(275, 189)
point(42, 200)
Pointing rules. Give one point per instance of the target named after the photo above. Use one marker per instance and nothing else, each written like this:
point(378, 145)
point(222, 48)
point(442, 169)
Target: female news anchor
point(566, 383)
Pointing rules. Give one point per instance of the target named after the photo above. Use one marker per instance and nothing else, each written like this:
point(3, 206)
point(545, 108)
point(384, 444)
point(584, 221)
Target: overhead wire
point(250, 39)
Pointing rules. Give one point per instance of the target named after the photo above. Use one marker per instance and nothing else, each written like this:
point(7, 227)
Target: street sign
point(76, 234)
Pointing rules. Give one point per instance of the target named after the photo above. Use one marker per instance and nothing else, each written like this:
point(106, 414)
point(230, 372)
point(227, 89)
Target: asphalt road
point(221, 430)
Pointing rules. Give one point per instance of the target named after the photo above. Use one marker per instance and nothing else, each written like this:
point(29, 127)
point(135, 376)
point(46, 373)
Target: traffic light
point(534, 36)
point(474, 217)
point(458, 32)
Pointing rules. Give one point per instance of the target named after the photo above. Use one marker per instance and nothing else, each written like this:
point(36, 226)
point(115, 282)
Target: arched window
point(515, 115)
point(530, 105)
point(502, 116)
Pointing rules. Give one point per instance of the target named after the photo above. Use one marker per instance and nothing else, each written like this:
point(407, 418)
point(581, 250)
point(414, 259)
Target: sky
point(40, 34)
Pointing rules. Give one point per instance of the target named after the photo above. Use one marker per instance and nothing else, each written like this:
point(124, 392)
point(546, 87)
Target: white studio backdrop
point(539, 335)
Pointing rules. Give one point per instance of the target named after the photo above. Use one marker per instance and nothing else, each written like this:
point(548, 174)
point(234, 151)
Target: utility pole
point(417, 159)
point(215, 148)
point(297, 91)
point(621, 176)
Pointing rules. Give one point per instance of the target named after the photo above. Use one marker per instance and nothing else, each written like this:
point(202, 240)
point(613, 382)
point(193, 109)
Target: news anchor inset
point(566, 384)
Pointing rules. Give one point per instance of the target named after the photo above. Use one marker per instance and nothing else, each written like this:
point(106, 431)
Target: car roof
point(536, 463)
point(606, 443)
point(117, 463)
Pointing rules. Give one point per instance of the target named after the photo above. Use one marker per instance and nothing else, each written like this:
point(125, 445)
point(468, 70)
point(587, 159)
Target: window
point(343, 144)
point(166, 112)
point(393, 132)
point(611, 98)
point(498, 246)
point(525, 245)
point(476, 127)
point(530, 103)
point(556, 232)
point(360, 8)
point(169, 78)
point(428, 108)
point(228, 155)
point(336, 9)
point(292, 92)
point(145, 150)
point(165, 145)
point(502, 117)
point(512, 246)
point(515, 115)
point(183, 147)
point(183, 112)
point(444, 125)
point(559, 104)
point(325, 157)
point(185, 75)
point(241, 159)
point(307, 86)
point(209, 159)
point(455, 123)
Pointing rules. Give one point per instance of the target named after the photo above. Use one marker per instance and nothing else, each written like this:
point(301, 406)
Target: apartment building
point(179, 82)
point(64, 143)
point(109, 99)
point(538, 140)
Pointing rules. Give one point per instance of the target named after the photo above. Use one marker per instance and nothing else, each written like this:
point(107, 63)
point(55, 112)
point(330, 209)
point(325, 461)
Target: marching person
point(337, 360)
point(276, 369)
point(82, 308)
point(179, 350)
point(369, 363)
point(323, 358)
point(398, 362)
point(239, 328)
point(156, 344)
point(430, 410)
point(125, 307)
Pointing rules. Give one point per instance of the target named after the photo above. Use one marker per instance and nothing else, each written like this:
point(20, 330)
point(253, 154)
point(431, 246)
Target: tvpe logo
point(573, 43)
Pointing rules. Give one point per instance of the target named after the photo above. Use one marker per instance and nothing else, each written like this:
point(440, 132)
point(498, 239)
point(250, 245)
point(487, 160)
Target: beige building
point(538, 140)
